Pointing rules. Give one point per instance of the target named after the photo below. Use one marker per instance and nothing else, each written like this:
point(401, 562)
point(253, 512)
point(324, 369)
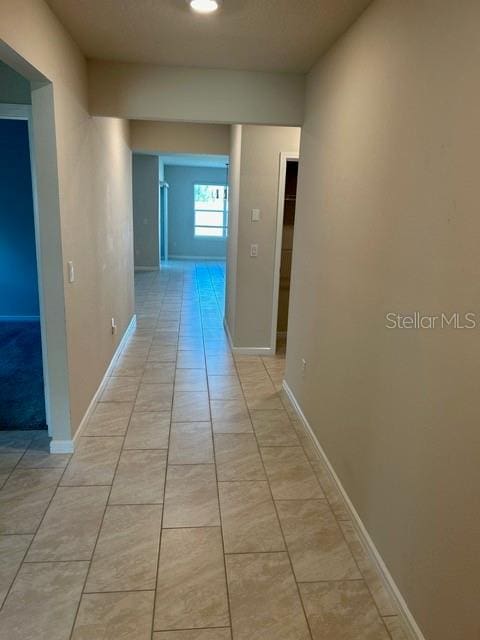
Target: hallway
point(198, 454)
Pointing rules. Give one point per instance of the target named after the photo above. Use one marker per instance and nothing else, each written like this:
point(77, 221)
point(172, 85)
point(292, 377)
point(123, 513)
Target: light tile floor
point(194, 508)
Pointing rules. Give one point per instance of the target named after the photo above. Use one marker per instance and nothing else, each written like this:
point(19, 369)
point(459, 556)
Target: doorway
point(22, 391)
point(287, 196)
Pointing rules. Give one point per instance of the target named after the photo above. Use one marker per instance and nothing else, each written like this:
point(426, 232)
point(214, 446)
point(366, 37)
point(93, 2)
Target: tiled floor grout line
point(164, 493)
point(276, 512)
point(33, 538)
point(218, 493)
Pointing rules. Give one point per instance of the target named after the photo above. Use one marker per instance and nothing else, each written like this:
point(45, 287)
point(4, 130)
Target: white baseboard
point(146, 268)
point(404, 613)
point(19, 318)
point(205, 258)
point(246, 351)
point(68, 446)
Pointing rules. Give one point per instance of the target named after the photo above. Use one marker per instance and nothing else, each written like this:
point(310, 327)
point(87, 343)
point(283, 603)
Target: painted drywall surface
point(18, 260)
point(259, 176)
point(93, 199)
point(181, 239)
point(387, 221)
point(179, 137)
point(233, 212)
point(152, 92)
point(145, 173)
point(14, 88)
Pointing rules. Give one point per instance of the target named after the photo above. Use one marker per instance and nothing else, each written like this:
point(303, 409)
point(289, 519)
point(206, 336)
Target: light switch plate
point(255, 215)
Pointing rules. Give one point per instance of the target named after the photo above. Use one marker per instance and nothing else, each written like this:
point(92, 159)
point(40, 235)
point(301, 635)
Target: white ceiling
point(267, 35)
point(194, 160)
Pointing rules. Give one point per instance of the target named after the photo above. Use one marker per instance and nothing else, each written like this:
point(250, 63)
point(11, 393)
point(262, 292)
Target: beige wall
point(92, 196)
point(152, 92)
point(146, 198)
point(258, 189)
point(387, 220)
point(233, 212)
point(179, 137)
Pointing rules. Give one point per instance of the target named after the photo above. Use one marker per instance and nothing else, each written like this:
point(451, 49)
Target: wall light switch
point(255, 215)
point(71, 271)
point(253, 250)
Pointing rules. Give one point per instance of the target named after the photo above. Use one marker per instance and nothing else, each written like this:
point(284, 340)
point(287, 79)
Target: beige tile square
point(165, 338)
point(125, 557)
point(159, 373)
point(93, 462)
point(237, 457)
point(191, 443)
point(8, 461)
point(191, 589)
point(191, 360)
point(148, 431)
point(230, 416)
point(220, 364)
point(290, 474)
point(131, 366)
point(16, 441)
point(264, 601)
point(261, 396)
point(71, 524)
point(154, 397)
point(225, 387)
point(191, 380)
point(115, 616)
point(341, 610)
point(315, 543)
point(190, 343)
point(140, 478)
point(249, 521)
point(43, 601)
point(273, 428)
point(120, 389)
point(191, 497)
point(194, 634)
point(190, 406)
point(164, 353)
point(371, 576)
point(12, 551)
point(109, 418)
point(25, 497)
point(38, 456)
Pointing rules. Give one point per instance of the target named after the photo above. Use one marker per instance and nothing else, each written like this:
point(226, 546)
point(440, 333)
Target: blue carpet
point(22, 402)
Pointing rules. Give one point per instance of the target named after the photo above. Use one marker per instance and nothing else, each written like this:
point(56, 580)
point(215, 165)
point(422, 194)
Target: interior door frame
point(285, 156)
point(24, 112)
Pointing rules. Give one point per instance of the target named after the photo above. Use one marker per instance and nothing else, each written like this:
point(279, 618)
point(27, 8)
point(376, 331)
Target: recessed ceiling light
point(204, 6)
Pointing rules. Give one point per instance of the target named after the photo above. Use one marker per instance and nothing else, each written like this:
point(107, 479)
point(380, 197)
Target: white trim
point(68, 446)
point(146, 268)
point(404, 612)
point(209, 258)
point(285, 156)
point(245, 351)
point(19, 318)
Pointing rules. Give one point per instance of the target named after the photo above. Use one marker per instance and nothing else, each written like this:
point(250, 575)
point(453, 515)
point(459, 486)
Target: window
point(211, 210)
